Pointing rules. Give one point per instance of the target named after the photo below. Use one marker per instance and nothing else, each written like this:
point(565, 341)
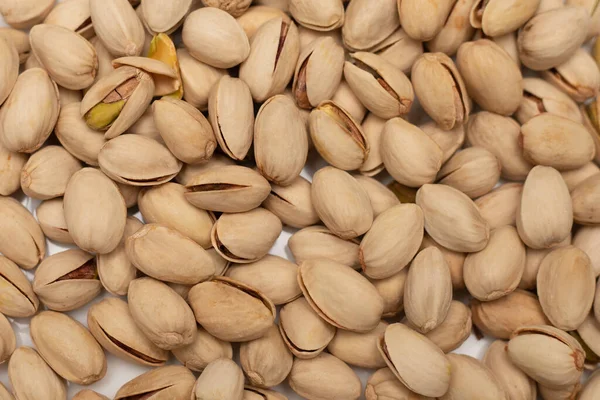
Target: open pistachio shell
point(367, 24)
point(166, 79)
point(169, 382)
point(540, 96)
point(497, 17)
point(578, 77)
point(515, 383)
point(21, 238)
point(318, 15)
point(17, 297)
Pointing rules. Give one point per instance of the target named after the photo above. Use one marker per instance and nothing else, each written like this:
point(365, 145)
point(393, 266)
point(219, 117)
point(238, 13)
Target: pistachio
point(159, 18)
point(381, 197)
point(68, 96)
point(87, 394)
point(578, 77)
point(74, 15)
point(254, 393)
point(118, 26)
point(21, 238)
point(198, 78)
point(372, 128)
point(7, 339)
point(318, 15)
point(17, 298)
point(448, 141)
point(513, 381)
point(497, 18)
point(163, 49)
point(104, 58)
point(130, 193)
point(32, 61)
point(293, 203)
point(391, 291)
point(10, 174)
point(533, 261)
point(171, 382)
point(221, 378)
point(589, 332)
point(508, 43)
point(26, 366)
point(454, 330)
point(589, 115)
point(257, 15)
point(164, 73)
point(400, 49)
point(586, 239)
point(9, 67)
point(383, 384)
point(319, 242)
point(560, 393)
point(454, 259)
point(202, 351)
point(574, 177)
point(241, 313)
point(146, 126)
point(472, 380)
point(24, 14)
point(19, 39)
point(424, 21)
point(359, 349)
point(591, 389)
point(190, 171)
point(367, 25)
point(345, 98)
point(499, 207)
point(68, 347)
point(455, 31)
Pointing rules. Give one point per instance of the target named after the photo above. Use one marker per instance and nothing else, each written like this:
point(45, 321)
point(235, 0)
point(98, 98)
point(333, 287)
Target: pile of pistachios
point(450, 185)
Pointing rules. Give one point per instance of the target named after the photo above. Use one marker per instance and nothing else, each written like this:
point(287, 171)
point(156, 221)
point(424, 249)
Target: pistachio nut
point(498, 318)
point(383, 385)
point(324, 377)
point(513, 381)
point(198, 78)
point(319, 242)
point(202, 351)
point(241, 313)
point(533, 261)
point(367, 24)
point(345, 98)
point(372, 128)
point(499, 207)
point(164, 317)
point(30, 112)
point(584, 198)
point(543, 46)
point(508, 43)
point(500, 91)
point(100, 231)
point(257, 15)
point(164, 73)
point(591, 389)
point(574, 177)
point(255, 393)
point(400, 50)
point(221, 378)
point(455, 31)
point(359, 349)
point(170, 382)
point(318, 15)
point(26, 366)
point(381, 87)
point(292, 203)
point(160, 17)
point(9, 67)
point(424, 21)
point(448, 141)
point(74, 15)
point(586, 239)
point(231, 114)
point(104, 58)
point(500, 135)
point(545, 216)
point(87, 394)
point(23, 14)
point(280, 140)
point(589, 332)
point(10, 175)
point(452, 219)
point(118, 27)
point(391, 291)
point(409, 355)
point(497, 18)
point(392, 241)
point(337, 137)
point(21, 238)
point(332, 187)
point(446, 102)
point(17, 298)
point(19, 39)
point(579, 76)
point(273, 276)
point(382, 198)
point(68, 347)
point(454, 259)
point(472, 380)
point(190, 171)
point(454, 330)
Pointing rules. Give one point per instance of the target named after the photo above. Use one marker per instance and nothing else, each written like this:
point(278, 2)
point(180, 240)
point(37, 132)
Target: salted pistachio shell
point(169, 382)
point(513, 381)
point(190, 171)
point(25, 124)
point(455, 31)
point(165, 76)
point(146, 126)
point(452, 219)
point(104, 58)
point(21, 238)
point(358, 349)
point(591, 388)
point(256, 16)
point(501, 136)
point(454, 259)
point(319, 242)
point(118, 26)
point(26, 366)
point(533, 261)
point(424, 21)
point(448, 141)
point(380, 86)
point(540, 96)
point(384, 385)
point(391, 291)
point(584, 198)
point(161, 17)
point(20, 41)
point(255, 393)
point(198, 78)
point(17, 298)
point(372, 128)
point(589, 332)
point(367, 24)
point(9, 66)
point(400, 50)
point(241, 314)
point(202, 351)
point(382, 198)
point(10, 175)
point(74, 15)
point(499, 207)
point(68, 347)
point(497, 18)
point(23, 14)
point(221, 378)
point(68, 96)
point(87, 394)
point(578, 77)
point(324, 377)
point(586, 238)
point(574, 177)
point(454, 330)
point(318, 15)
point(345, 98)
point(293, 203)
point(472, 380)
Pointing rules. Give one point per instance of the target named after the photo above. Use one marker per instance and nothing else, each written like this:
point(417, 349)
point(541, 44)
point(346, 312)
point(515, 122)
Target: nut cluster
point(208, 116)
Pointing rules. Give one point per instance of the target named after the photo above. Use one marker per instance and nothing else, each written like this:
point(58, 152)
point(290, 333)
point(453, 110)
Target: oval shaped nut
point(383, 384)
point(340, 295)
point(159, 17)
point(319, 242)
point(221, 378)
point(576, 176)
point(448, 141)
point(367, 26)
point(74, 15)
point(497, 18)
point(400, 49)
point(257, 15)
point(25, 365)
point(9, 67)
point(382, 198)
point(454, 259)
point(372, 128)
point(47, 172)
point(10, 174)
point(545, 216)
point(87, 394)
point(292, 203)
point(542, 46)
point(332, 187)
point(266, 361)
point(318, 15)
point(452, 219)
point(255, 393)
point(515, 383)
point(379, 85)
point(21, 238)
point(273, 276)
point(409, 154)
point(499, 91)
point(198, 78)
point(586, 238)
point(547, 355)
point(346, 99)
point(164, 316)
point(68, 347)
point(455, 30)
point(391, 291)
point(358, 349)
point(25, 124)
point(202, 351)
point(424, 21)
point(472, 380)
point(499, 207)
point(591, 388)
point(280, 140)
point(25, 14)
point(118, 26)
point(7, 339)
point(169, 382)
point(17, 298)
point(111, 323)
point(589, 333)
point(19, 39)
point(584, 199)
point(540, 96)
point(578, 77)
point(533, 261)
point(454, 330)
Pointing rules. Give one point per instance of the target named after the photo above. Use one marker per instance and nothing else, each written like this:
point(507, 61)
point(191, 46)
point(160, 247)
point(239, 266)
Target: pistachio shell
point(118, 26)
point(23, 14)
point(164, 17)
point(584, 199)
point(455, 31)
point(454, 330)
point(190, 171)
point(17, 298)
point(87, 394)
point(472, 380)
point(257, 15)
point(26, 365)
point(169, 382)
point(391, 291)
point(359, 349)
point(19, 39)
point(424, 21)
point(319, 242)
point(539, 96)
point(372, 128)
point(346, 99)
point(21, 238)
point(9, 67)
point(513, 381)
point(586, 239)
point(382, 198)
point(383, 385)
point(448, 141)
point(499, 207)
point(74, 15)
point(10, 175)
point(318, 15)
point(220, 378)
point(497, 18)
point(293, 203)
point(164, 74)
point(591, 389)
point(198, 78)
point(454, 259)
point(367, 24)
point(533, 261)
point(574, 177)
point(400, 49)
point(578, 77)
point(202, 351)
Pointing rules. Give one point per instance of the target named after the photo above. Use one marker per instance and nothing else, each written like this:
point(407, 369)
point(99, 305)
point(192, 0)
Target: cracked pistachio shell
point(159, 16)
point(579, 76)
point(515, 383)
point(68, 57)
point(454, 259)
point(30, 112)
point(540, 96)
point(446, 101)
point(67, 280)
point(338, 138)
point(500, 135)
point(100, 231)
point(499, 207)
point(400, 50)
point(415, 360)
point(17, 298)
point(111, 323)
point(10, 174)
point(231, 310)
point(273, 276)
point(498, 17)
point(584, 198)
point(546, 354)
point(257, 15)
point(319, 242)
point(23, 14)
point(9, 67)
point(280, 140)
point(255, 393)
point(202, 351)
point(411, 156)
point(19, 39)
point(454, 330)
point(190, 171)
point(383, 385)
point(318, 15)
point(379, 85)
point(576, 176)
point(51, 216)
point(47, 172)
point(492, 78)
point(340, 295)
point(167, 205)
point(392, 241)
point(230, 188)
point(8, 341)
point(591, 390)
point(448, 141)
point(332, 187)
point(565, 286)
point(391, 291)
point(456, 29)
point(324, 377)
point(266, 361)
point(21, 238)
point(292, 203)
point(533, 261)
point(207, 31)
point(367, 24)
point(372, 128)
point(358, 349)
point(173, 382)
point(586, 238)
point(221, 378)
point(138, 161)
point(231, 114)
point(303, 331)
point(118, 26)
point(545, 216)
point(382, 198)
point(273, 55)
point(198, 78)
point(423, 21)
point(87, 394)
point(74, 15)
point(472, 380)
point(26, 366)
point(68, 347)
point(164, 75)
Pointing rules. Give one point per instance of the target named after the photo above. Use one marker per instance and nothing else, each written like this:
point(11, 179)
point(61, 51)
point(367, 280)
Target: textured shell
point(585, 239)
point(422, 21)
point(541, 96)
point(292, 204)
point(579, 76)
point(472, 380)
point(25, 365)
point(10, 175)
point(21, 238)
point(118, 26)
point(454, 330)
point(367, 24)
point(17, 298)
point(448, 141)
point(198, 78)
point(515, 383)
point(501, 17)
point(171, 382)
point(164, 17)
point(9, 67)
point(164, 75)
point(222, 377)
point(23, 14)
point(318, 15)
point(584, 198)
point(499, 207)
point(73, 15)
point(383, 384)
point(455, 31)
point(359, 349)
point(202, 351)
point(8, 341)
point(382, 198)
